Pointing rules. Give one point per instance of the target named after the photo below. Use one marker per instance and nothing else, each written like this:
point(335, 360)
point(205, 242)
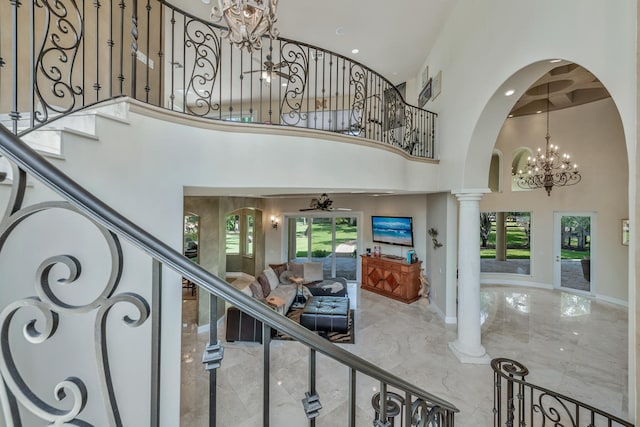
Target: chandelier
point(247, 21)
point(548, 169)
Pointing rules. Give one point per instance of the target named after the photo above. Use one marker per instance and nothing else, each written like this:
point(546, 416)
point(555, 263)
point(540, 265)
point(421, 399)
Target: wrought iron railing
point(56, 310)
point(60, 56)
point(520, 403)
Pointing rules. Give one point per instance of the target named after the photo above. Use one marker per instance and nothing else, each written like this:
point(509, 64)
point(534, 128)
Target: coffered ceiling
point(569, 85)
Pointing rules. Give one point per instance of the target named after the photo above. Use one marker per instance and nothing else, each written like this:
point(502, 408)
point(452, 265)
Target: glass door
point(331, 240)
point(574, 238)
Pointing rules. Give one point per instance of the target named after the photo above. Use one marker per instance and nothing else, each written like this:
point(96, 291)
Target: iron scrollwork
point(295, 59)
point(358, 80)
point(56, 57)
point(425, 415)
point(203, 44)
point(552, 409)
point(45, 309)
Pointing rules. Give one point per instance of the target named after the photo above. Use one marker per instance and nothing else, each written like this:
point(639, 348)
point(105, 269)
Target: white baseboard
point(451, 320)
point(612, 300)
point(510, 282)
point(447, 319)
point(205, 328)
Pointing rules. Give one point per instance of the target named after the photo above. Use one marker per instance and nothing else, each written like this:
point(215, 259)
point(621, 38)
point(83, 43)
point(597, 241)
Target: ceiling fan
point(322, 203)
point(271, 70)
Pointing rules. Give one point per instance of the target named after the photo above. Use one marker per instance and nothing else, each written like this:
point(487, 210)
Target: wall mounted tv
point(392, 230)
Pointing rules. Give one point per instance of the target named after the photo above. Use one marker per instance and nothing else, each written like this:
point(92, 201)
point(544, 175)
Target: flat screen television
point(392, 230)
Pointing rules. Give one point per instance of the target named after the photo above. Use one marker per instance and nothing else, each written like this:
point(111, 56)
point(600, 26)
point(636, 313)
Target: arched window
point(495, 172)
point(518, 163)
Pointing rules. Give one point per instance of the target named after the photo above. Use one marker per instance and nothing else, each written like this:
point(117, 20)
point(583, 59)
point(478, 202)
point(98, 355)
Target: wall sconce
point(274, 222)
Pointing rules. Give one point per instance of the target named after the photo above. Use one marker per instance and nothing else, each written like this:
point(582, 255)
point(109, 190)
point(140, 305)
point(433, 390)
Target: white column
point(467, 347)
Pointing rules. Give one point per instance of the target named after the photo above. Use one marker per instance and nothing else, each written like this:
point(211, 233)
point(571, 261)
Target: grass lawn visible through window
point(321, 238)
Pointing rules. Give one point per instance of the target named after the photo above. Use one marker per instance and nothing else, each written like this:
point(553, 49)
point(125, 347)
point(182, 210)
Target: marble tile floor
point(571, 344)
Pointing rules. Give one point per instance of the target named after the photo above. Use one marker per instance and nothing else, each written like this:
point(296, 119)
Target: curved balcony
point(88, 52)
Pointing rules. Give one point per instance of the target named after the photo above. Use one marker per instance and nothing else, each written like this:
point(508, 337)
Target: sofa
point(275, 281)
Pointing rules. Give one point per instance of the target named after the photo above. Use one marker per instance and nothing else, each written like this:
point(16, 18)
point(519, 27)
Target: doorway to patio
point(573, 258)
point(332, 239)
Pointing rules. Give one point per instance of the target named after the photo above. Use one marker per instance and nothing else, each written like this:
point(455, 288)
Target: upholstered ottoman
point(326, 314)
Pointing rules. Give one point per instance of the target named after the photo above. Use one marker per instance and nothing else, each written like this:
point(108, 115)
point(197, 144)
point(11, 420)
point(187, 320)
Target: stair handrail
point(510, 370)
point(30, 161)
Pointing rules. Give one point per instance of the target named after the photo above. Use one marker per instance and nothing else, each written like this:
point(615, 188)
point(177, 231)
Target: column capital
point(470, 194)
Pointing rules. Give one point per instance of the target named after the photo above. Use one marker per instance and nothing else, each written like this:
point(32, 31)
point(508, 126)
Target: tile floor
point(571, 344)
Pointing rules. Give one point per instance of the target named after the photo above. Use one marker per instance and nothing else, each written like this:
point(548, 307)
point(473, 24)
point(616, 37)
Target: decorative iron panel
point(48, 311)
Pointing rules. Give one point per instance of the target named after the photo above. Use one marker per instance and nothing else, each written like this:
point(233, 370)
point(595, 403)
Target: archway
point(594, 193)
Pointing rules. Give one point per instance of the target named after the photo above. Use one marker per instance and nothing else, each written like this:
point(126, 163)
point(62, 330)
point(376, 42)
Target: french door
point(574, 240)
point(331, 239)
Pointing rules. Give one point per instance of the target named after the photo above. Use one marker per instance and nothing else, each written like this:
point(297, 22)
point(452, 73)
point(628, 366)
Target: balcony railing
point(521, 403)
point(59, 57)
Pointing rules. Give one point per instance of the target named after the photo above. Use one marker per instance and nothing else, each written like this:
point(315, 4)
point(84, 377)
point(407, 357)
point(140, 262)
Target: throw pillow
point(256, 289)
point(272, 278)
point(264, 283)
point(296, 269)
point(278, 268)
point(313, 271)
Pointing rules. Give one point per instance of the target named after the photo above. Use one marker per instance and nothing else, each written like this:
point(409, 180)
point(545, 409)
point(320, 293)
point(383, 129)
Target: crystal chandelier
point(247, 21)
point(548, 169)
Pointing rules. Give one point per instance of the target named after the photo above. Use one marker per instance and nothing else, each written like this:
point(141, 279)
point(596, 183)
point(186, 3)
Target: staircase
point(103, 304)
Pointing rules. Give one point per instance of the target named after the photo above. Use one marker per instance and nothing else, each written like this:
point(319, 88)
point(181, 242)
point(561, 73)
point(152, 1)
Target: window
point(495, 172)
point(233, 234)
point(248, 245)
point(518, 163)
point(505, 242)
point(331, 240)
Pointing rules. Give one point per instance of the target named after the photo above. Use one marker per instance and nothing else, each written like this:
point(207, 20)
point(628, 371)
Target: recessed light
point(553, 61)
point(510, 115)
point(539, 111)
point(284, 85)
point(509, 92)
point(354, 51)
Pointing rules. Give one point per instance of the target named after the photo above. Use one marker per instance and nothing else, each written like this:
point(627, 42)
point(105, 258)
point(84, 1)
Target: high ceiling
point(393, 37)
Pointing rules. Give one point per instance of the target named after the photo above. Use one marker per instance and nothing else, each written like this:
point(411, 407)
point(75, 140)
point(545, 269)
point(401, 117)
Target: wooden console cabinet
point(391, 277)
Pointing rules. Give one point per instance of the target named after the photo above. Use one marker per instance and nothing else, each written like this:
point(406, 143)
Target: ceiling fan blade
point(252, 71)
point(308, 209)
point(283, 75)
point(340, 209)
point(279, 65)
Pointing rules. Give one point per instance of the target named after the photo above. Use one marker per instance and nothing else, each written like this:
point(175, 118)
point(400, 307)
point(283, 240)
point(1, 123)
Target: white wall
point(442, 261)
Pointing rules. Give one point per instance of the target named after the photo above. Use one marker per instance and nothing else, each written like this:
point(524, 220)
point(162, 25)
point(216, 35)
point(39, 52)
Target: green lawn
point(516, 246)
point(233, 242)
point(321, 236)
point(516, 243)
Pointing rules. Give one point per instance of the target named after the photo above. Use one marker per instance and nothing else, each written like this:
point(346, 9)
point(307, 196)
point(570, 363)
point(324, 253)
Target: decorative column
point(467, 347)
